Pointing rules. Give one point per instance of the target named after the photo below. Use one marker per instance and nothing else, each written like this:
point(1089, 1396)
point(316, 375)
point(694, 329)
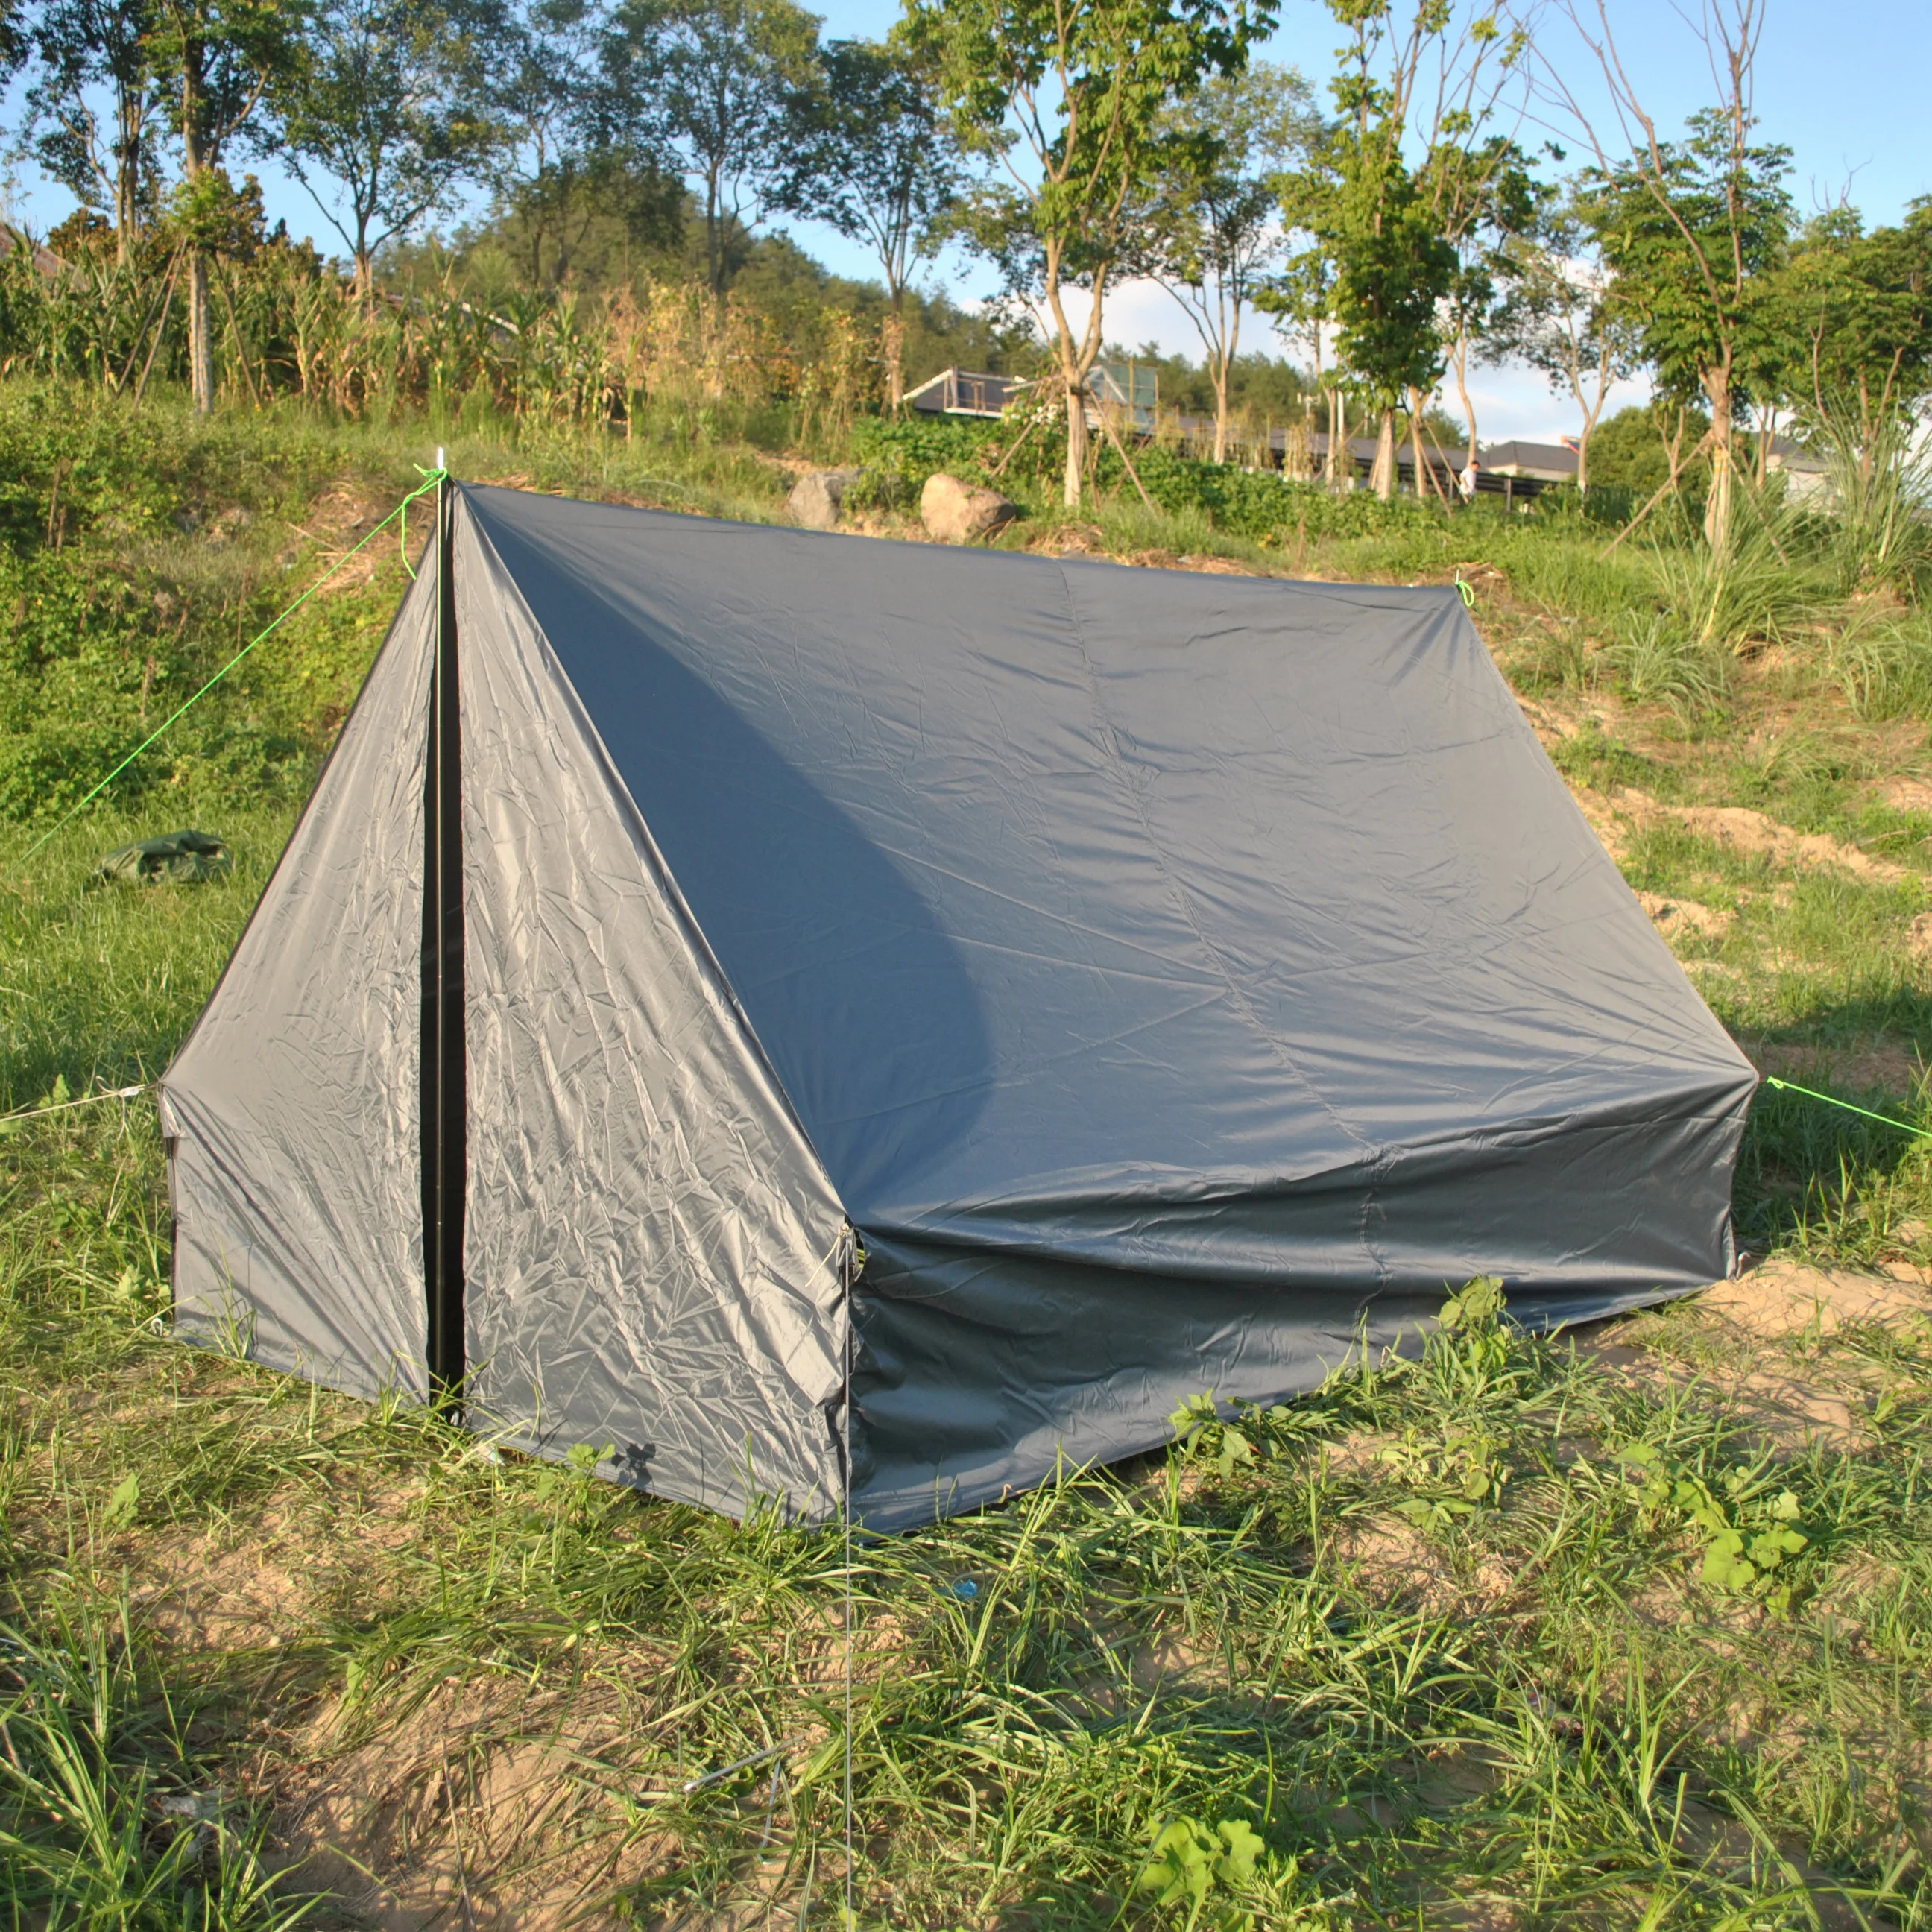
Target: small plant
point(1458, 1472)
point(1255, 1430)
point(1749, 1532)
point(1190, 1862)
point(1202, 1434)
point(568, 1483)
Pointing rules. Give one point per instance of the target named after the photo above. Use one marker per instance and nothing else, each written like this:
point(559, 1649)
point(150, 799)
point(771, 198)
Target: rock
point(816, 497)
point(957, 512)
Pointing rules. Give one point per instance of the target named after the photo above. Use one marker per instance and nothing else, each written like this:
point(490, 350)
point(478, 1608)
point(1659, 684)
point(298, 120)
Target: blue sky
point(1841, 82)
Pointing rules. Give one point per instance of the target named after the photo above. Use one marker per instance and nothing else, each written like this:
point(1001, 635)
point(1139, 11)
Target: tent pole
point(445, 1164)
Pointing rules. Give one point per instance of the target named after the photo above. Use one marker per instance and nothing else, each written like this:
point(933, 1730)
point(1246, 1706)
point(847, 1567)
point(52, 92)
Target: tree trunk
point(1415, 445)
point(200, 334)
point(1462, 391)
point(126, 205)
point(892, 347)
point(1076, 444)
point(1383, 482)
point(1583, 459)
point(1221, 410)
point(1717, 505)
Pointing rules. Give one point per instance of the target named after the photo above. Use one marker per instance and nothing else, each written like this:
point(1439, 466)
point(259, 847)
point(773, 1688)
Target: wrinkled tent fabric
point(1167, 982)
point(291, 1110)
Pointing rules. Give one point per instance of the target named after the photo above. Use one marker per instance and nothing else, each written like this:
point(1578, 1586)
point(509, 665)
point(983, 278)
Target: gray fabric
point(652, 1252)
point(292, 1107)
point(1170, 971)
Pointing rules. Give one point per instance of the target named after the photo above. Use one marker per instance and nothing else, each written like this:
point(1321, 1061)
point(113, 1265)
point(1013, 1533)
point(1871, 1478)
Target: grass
point(1621, 1630)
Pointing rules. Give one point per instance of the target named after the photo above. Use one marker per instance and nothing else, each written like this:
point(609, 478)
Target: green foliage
point(1857, 307)
point(1192, 1864)
point(1747, 1523)
point(1393, 268)
point(390, 99)
point(1262, 505)
point(1879, 480)
point(1629, 451)
point(1691, 238)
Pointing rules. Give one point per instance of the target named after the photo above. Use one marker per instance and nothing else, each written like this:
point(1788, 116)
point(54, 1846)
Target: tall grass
point(107, 1816)
point(1878, 479)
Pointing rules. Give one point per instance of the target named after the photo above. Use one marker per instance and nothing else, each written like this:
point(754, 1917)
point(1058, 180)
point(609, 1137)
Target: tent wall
point(653, 1256)
point(986, 1357)
point(292, 1109)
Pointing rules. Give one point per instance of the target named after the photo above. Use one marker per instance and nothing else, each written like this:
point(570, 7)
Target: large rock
point(957, 512)
point(816, 497)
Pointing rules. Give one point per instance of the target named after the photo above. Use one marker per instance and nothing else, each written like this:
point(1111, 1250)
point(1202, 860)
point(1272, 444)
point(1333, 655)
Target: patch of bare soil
point(485, 1807)
point(1676, 918)
point(1398, 1560)
point(1551, 725)
point(1072, 540)
point(1758, 1343)
point(1907, 794)
point(342, 516)
point(1742, 829)
point(204, 1592)
point(1784, 1297)
point(1874, 1063)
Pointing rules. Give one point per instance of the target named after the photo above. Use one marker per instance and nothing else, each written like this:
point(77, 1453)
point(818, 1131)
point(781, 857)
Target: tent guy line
point(85, 1100)
point(1832, 1100)
point(431, 477)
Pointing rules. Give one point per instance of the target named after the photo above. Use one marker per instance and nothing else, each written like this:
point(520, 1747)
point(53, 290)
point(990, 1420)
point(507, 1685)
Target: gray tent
point(1107, 984)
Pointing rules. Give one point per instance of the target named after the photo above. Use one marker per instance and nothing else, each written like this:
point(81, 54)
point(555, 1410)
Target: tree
point(82, 49)
point(386, 98)
point(1078, 88)
point(872, 155)
point(1210, 229)
point(565, 166)
point(1691, 230)
point(1856, 313)
point(1301, 297)
point(1388, 225)
point(1483, 199)
point(1557, 315)
point(709, 85)
point(219, 57)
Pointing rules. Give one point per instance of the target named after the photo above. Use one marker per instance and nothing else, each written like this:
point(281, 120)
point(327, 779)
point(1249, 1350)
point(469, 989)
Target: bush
point(1262, 505)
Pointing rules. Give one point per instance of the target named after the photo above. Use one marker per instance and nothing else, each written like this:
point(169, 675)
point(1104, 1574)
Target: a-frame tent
point(1099, 984)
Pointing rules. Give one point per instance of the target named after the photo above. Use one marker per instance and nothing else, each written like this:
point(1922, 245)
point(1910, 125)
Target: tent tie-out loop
point(431, 477)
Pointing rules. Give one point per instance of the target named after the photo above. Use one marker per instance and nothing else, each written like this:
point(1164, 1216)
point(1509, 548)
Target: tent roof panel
point(1026, 870)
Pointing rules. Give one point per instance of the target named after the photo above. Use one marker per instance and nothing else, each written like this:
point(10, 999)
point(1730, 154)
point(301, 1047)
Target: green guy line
point(1830, 1100)
point(431, 477)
